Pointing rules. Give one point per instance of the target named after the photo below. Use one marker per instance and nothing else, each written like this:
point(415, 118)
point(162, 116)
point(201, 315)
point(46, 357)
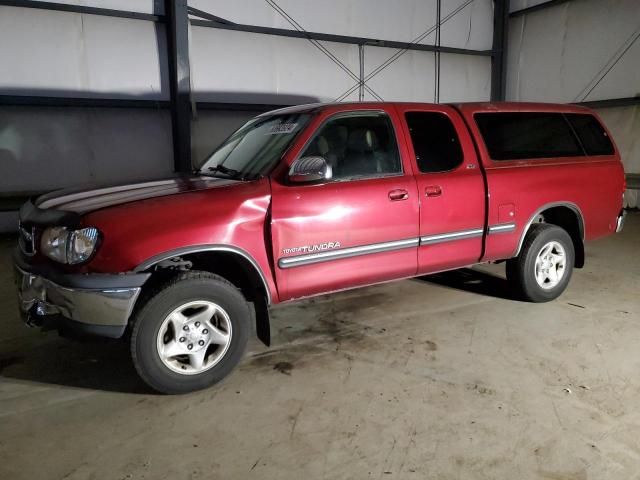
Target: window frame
point(356, 113)
point(455, 130)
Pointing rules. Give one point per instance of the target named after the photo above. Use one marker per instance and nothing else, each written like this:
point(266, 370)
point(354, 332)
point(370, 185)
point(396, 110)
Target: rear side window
point(435, 141)
point(592, 135)
point(527, 135)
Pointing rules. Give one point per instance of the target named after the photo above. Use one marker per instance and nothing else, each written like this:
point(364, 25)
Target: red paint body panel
point(229, 215)
point(457, 205)
point(353, 213)
point(267, 217)
point(593, 184)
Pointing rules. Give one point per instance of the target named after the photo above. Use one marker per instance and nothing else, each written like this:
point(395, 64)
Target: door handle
point(398, 194)
point(433, 191)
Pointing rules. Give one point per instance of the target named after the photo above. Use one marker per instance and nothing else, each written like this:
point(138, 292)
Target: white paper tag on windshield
point(282, 128)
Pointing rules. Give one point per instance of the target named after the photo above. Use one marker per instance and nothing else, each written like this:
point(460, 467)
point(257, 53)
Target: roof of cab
point(474, 107)
point(471, 107)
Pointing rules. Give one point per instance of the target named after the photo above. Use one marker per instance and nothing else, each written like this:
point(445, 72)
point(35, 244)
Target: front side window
point(254, 149)
point(357, 145)
point(527, 135)
point(435, 141)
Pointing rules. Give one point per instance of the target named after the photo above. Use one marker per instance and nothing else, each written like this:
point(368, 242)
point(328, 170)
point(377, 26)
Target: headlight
point(69, 246)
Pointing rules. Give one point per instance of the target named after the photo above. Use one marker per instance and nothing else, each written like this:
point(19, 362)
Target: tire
point(175, 361)
point(522, 270)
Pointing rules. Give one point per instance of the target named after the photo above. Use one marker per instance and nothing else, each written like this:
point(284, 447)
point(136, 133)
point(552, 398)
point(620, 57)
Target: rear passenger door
point(450, 187)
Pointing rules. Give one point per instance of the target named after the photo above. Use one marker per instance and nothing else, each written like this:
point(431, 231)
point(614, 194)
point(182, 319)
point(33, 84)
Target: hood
point(86, 200)
point(68, 205)
point(134, 232)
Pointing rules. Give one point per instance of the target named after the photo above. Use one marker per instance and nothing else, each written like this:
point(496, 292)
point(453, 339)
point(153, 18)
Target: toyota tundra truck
point(314, 199)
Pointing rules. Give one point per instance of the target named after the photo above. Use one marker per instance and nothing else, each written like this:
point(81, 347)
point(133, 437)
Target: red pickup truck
point(315, 199)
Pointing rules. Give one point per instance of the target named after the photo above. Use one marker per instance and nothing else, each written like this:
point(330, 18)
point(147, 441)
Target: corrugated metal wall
point(68, 54)
point(555, 54)
point(581, 50)
point(60, 54)
point(259, 63)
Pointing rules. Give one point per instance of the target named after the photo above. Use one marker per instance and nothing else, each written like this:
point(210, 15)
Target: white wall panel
point(624, 123)
point(464, 78)
point(67, 54)
point(142, 6)
point(412, 77)
point(58, 53)
point(409, 78)
point(401, 20)
point(385, 19)
point(555, 53)
point(237, 66)
point(521, 4)
point(624, 78)
point(471, 28)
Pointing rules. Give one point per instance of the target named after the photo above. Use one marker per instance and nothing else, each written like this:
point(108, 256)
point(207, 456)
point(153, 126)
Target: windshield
point(255, 148)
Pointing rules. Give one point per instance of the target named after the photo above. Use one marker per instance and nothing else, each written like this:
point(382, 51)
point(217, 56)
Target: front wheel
point(190, 333)
point(543, 269)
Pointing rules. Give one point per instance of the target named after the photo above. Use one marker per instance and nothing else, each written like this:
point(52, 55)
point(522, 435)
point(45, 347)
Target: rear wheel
point(190, 333)
point(543, 269)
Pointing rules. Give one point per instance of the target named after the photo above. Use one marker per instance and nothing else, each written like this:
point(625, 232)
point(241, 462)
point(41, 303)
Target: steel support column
point(499, 56)
point(177, 25)
point(361, 60)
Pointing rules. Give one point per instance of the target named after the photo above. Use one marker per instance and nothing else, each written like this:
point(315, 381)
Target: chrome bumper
point(620, 221)
point(86, 307)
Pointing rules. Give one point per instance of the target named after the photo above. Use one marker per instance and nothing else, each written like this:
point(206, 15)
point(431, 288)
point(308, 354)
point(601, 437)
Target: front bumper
point(97, 304)
point(620, 221)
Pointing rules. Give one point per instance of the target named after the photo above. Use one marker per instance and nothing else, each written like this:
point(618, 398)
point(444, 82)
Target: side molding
point(207, 248)
point(502, 228)
point(308, 259)
point(447, 237)
point(547, 206)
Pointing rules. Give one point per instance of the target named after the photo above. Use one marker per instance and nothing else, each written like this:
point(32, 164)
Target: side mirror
point(310, 169)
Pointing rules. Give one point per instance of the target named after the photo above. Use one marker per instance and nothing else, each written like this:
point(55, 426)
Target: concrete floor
point(441, 377)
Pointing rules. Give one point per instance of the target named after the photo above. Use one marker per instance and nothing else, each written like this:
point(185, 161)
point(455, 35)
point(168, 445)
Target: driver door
point(358, 228)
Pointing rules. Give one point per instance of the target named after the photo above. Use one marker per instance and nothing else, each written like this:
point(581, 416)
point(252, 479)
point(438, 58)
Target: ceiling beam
point(612, 102)
point(330, 37)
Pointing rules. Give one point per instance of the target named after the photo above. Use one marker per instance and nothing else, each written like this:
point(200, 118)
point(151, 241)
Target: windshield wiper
point(226, 170)
point(230, 172)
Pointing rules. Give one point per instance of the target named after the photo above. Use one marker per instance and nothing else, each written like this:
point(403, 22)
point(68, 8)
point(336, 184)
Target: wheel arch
point(230, 262)
point(566, 215)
